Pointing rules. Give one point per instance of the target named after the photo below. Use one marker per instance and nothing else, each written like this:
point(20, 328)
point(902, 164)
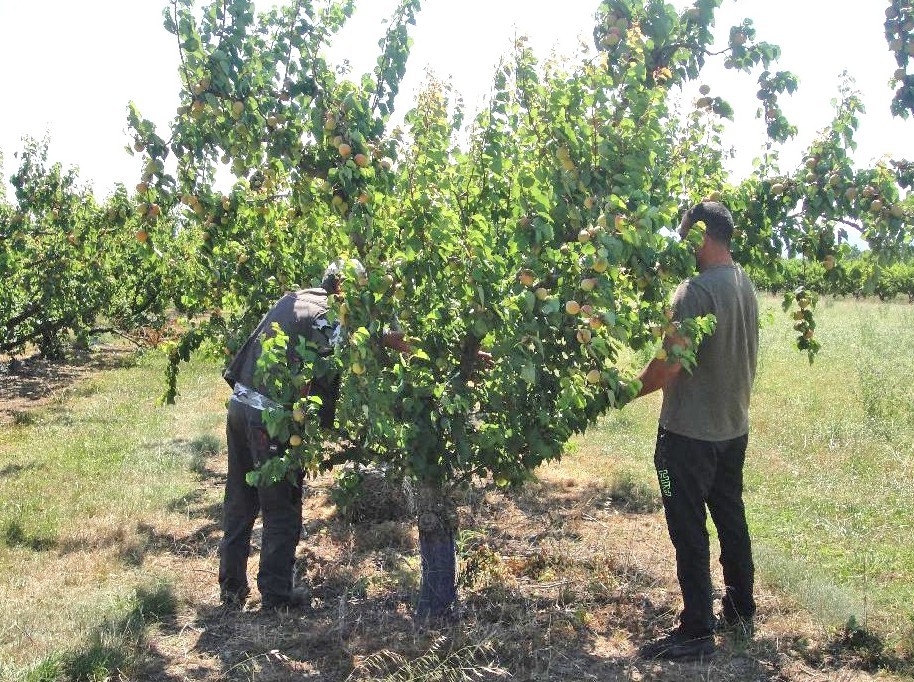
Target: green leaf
point(528, 373)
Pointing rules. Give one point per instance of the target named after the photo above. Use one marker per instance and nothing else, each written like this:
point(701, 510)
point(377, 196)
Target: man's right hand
point(396, 341)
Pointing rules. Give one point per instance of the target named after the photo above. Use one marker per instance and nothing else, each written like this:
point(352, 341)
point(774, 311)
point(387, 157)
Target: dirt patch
point(29, 383)
point(558, 583)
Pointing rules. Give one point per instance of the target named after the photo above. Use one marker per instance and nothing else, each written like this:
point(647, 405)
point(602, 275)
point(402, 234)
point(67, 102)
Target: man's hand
point(686, 224)
point(657, 375)
point(396, 341)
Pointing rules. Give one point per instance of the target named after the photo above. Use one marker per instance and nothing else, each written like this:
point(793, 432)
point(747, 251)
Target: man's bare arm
point(656, 375)
point(659, 371)
point(396, 341)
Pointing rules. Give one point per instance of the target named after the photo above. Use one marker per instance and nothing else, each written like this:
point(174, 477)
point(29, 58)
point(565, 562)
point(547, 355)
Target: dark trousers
point(695, 475)
point(280, 505)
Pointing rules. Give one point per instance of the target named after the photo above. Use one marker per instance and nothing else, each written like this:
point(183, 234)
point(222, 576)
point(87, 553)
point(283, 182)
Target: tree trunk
point(437, 521)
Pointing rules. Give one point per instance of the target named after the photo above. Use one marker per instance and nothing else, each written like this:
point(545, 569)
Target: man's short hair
point(717, 219)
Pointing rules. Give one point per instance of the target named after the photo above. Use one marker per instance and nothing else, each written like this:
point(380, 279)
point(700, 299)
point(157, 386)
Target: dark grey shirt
point(712, 403)
point(299, 313)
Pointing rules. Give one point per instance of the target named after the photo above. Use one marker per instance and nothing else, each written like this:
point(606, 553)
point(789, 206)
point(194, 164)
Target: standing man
point(702, 438)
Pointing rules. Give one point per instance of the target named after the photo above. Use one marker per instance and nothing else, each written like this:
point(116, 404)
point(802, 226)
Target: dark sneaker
point(299, 597)
point(233, 599)
point(743, 628)
point(678, 646)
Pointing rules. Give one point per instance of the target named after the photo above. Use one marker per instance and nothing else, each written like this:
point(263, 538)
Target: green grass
point(830, 465)
point(78, 484)
point(82, 457)
point(108, 648)
point(831, 479)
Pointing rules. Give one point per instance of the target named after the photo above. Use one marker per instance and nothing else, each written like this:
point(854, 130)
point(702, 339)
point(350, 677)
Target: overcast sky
point(69, 68)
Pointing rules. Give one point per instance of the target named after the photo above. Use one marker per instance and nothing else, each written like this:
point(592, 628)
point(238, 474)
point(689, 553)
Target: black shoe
point(743, 628)
point(233, 599)
point(299, 597)
point(678, 646)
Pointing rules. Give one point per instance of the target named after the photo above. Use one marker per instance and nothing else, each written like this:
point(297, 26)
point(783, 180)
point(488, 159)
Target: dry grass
point(562, 580)
point(564, 586)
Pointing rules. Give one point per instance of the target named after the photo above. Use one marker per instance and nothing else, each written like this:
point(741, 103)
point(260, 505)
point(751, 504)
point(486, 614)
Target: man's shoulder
point(315, 301)
point(691, 299)
point(296, 307)
point(308, 294)
point(311, 308)
point(744, 275)
point(744, 283)
point(698, 295)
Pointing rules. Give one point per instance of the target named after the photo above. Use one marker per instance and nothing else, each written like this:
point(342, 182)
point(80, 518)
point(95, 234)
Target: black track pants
point(280, 504)
point(695, 475)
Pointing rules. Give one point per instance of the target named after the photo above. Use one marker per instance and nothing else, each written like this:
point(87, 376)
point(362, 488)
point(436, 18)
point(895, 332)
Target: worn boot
point(679, 646)
point(298, 598)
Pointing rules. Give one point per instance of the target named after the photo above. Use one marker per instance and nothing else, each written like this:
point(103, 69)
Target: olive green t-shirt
point(712, 403)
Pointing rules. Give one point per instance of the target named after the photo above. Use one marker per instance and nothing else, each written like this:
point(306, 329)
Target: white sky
point(69, 68)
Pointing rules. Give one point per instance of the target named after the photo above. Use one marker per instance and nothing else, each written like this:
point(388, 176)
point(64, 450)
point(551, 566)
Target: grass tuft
point(16, 535)
point(23, 418)
point(52, 669)
point(827, 601)
point(115, 646)
point(156, 603)
point(629, 491)
point(100, 661)
point(201, 449)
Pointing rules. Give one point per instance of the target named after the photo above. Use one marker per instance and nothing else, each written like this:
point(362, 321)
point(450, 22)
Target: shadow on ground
point(31, 382)
point(537, 601)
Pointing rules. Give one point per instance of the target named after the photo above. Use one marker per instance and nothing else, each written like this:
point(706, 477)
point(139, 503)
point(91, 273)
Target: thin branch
point(856, 226)
point(187, 82)
point(111, 330)
point(295, 15)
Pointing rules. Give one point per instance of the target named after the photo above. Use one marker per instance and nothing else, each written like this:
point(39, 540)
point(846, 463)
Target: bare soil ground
point(559, 580)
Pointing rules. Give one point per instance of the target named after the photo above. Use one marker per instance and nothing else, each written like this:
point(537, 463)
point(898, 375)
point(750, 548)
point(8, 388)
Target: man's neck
point(715, 257)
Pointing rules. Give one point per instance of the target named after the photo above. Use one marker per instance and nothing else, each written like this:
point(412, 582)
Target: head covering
point(333, 275)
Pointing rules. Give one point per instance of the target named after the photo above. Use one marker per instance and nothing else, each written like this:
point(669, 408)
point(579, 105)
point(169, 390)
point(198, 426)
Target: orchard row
point(541, 230)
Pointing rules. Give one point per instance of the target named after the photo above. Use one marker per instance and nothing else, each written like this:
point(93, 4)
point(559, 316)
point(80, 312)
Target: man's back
point(713, 402)
point(296, 313)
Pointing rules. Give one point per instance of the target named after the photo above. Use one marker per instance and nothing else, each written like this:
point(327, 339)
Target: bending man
point(299, 313)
